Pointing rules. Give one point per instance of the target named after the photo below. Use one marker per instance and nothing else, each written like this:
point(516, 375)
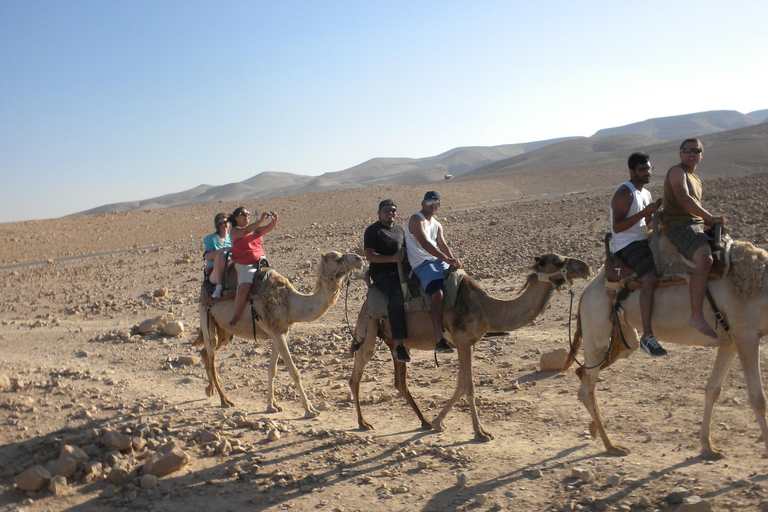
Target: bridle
point(561, 275)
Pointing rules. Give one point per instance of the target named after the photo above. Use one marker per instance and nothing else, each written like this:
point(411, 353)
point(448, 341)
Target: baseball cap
point(432, 196)
point(387, 202)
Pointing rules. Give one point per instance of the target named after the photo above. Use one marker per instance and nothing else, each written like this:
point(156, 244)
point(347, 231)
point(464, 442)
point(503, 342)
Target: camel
point(277, 308)
point(475, 314)
point(742, 297)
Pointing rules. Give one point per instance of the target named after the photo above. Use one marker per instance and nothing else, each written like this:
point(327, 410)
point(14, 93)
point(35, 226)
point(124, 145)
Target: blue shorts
point(430, 271)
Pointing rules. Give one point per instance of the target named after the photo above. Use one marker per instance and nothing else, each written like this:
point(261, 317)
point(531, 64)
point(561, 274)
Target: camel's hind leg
point(365, 331)
point(280, 345)
point(723, 361)
point(212, 336)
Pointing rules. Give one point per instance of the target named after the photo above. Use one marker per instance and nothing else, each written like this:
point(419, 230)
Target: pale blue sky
point(111, 101)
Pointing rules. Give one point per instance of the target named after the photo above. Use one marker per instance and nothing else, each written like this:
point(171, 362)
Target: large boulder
point(33, 479)
point(168, 458)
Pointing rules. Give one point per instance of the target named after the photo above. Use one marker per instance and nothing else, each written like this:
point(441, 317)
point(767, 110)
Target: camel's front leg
point(465, 367)
point(280, 342)
point(365, 330)
point(588, 398)
point(723, 361)
point(437, 423)
point(749, 355)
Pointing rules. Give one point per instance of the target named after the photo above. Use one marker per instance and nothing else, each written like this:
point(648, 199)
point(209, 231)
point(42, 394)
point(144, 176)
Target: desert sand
point(75, 370)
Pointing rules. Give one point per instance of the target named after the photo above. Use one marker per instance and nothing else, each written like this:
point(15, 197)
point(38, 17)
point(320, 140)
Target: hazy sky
point(109, 101)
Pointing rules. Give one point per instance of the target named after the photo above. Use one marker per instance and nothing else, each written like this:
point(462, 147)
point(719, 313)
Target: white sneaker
point(217, 292)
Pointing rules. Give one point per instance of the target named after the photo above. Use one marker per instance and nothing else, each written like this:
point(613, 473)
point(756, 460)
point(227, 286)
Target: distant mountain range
point(599, 151)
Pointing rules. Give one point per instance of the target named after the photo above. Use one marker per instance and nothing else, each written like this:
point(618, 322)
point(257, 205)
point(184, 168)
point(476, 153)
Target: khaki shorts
point(688, 237)
point(245, 273)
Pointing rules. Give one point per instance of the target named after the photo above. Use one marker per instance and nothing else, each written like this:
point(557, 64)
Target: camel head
point(558, 269)
point(334, 265)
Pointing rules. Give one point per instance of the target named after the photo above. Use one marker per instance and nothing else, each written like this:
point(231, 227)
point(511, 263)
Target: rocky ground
point(123, 420)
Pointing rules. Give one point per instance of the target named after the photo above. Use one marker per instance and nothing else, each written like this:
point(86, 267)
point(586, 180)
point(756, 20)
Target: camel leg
point(401, 384)
point(271, 373)
point(210, 332)
point(362, 357)
point(723, 361)
point(749, 355)
point(280, 341)
point(465, 367)
point(437, 423)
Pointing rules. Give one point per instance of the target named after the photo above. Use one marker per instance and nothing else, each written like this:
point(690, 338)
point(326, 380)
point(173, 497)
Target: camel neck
point(508, 315)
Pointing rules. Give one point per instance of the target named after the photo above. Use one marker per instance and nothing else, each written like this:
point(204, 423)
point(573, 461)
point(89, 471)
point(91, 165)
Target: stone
point(553, 361)
point(694, 504)
point(58, 485)
point(5, 382)
point(148, 481)
point(65, 467)
point(156, 324)
point(166, 460)
point(160, 292)
point(677, 495)
point(189, 360)
point(462, 479)
point(121, 473)
point(114, 439)
point(614, 480)
point(174, 328)
point(73, 452)
point(33, 479)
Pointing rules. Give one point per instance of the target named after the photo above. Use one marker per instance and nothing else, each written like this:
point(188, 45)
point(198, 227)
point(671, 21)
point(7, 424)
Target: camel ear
point(537, 259)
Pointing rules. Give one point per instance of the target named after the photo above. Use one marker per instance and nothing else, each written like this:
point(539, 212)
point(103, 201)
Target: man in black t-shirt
point(384, 245)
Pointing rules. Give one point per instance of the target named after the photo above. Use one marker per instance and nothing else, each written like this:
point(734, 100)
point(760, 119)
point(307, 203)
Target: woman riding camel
point(246, 250)
point(216, 246)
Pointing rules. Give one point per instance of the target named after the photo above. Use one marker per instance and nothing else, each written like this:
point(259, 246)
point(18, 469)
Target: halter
point(332, 277)
point(563, 272)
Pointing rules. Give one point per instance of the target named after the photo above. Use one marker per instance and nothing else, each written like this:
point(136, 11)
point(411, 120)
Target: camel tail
point(199, 341)
point(576, 344)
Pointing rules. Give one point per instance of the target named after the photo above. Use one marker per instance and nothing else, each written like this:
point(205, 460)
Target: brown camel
point(475, 314)
point(742, 297)
point(277, 308)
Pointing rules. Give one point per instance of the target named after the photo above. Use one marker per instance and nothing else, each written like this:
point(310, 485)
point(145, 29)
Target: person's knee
point(703, 257)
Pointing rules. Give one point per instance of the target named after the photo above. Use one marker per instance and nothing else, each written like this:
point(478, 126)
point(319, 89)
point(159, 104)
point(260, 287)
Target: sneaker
point(442, 346)
point(651, 345)
point(217, 292)
point(401, 354)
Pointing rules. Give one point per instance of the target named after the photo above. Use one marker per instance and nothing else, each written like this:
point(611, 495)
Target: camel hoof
point(617, 450)
point(209, 390)
point(311, 413)
point(483, 437)
point(438, 427)
point(226, 403)
point(274, 408)
point(426, 425)
point(712, 454)
point(365, 426)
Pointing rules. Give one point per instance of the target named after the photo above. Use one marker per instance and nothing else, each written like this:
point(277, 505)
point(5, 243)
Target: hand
point(398, 257)
point(651, 208)
point(721, 220)
point(454, 262)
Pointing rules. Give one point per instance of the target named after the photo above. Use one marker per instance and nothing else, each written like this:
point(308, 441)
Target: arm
point(240, 232)
point(454, 262)
point(263, 230)
point(620, 205)
point(679, 184)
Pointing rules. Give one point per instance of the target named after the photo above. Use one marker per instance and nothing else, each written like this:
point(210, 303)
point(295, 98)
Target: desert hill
point(598, 153)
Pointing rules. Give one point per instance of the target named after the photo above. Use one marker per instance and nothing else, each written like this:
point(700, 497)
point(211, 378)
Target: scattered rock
point(33, 479)
point(694, 504)
point(166, 460)
point(553, 361)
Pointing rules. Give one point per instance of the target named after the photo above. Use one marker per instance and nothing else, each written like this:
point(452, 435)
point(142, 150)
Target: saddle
point(416, 299)
point(263, 271)
point(671, 266)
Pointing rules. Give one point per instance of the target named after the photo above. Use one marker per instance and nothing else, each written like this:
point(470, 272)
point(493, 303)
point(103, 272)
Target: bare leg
point(703, 260)
point(240, 297)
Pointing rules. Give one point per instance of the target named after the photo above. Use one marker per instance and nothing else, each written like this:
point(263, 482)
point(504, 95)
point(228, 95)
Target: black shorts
point(639, 257)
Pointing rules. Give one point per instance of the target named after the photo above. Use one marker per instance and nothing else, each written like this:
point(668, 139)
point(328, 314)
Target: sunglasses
point(691, 150)
point(431, 201)
point(246, 213)
point(223, 222)
point(389, 210)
